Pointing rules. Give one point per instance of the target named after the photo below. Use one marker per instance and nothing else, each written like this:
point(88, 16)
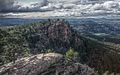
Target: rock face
point(45, 64)
point(59, 31)
point(57, 35)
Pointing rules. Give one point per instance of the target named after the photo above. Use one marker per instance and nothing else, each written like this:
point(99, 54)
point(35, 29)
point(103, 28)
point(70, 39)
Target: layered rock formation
point(45, 64)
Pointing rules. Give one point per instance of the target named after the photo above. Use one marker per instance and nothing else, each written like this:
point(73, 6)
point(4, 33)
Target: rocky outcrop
point(45, 64)
point(71, 68)
point(57, 35)
point(30, 65)
point(59, 31)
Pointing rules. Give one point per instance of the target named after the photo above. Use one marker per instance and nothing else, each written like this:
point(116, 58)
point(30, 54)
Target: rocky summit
point(45, 64)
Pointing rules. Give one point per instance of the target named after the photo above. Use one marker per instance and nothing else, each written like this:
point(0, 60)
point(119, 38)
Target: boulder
point(45, 64)
point(32, 65)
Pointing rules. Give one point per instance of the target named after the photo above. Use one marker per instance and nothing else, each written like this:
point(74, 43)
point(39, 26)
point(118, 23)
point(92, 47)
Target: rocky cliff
point(56, 35)
point(45, 64)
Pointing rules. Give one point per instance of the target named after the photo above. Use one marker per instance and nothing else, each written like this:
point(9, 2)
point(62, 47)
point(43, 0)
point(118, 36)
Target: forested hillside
point(56, 36)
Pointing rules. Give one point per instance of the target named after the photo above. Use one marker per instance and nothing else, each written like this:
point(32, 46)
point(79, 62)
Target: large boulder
point(30, 65)
point(45, 64)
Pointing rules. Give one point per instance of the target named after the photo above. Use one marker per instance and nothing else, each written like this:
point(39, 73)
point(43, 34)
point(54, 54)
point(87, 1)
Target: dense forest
point(57, 36)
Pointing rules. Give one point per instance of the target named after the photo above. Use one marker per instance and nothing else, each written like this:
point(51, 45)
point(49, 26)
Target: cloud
point(6, 4)
point(65, 7)
point(13, 5)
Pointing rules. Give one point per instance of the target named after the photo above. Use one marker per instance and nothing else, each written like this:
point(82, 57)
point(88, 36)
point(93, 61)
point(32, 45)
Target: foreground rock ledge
point(45, 64)
point(30, 65)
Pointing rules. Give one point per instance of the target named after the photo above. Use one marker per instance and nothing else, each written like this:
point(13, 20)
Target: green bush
point(71, 54)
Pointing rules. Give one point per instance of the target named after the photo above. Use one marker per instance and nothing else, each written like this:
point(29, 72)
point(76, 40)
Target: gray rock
point(30, 65)
point(45, 64)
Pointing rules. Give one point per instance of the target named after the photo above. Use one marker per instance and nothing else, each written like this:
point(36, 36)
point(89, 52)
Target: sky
point(65, 8)
point(28, 1)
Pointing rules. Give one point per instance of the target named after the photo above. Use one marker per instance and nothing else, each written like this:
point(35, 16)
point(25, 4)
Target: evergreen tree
point(72, 55)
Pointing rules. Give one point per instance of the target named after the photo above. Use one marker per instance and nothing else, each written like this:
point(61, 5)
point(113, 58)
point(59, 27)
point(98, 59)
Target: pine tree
point(72, 55)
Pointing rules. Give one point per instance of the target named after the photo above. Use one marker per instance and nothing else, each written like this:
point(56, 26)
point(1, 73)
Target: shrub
point(72, 55)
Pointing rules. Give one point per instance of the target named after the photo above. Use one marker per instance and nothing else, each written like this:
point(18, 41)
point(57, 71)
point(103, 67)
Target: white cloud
point(66, 8)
